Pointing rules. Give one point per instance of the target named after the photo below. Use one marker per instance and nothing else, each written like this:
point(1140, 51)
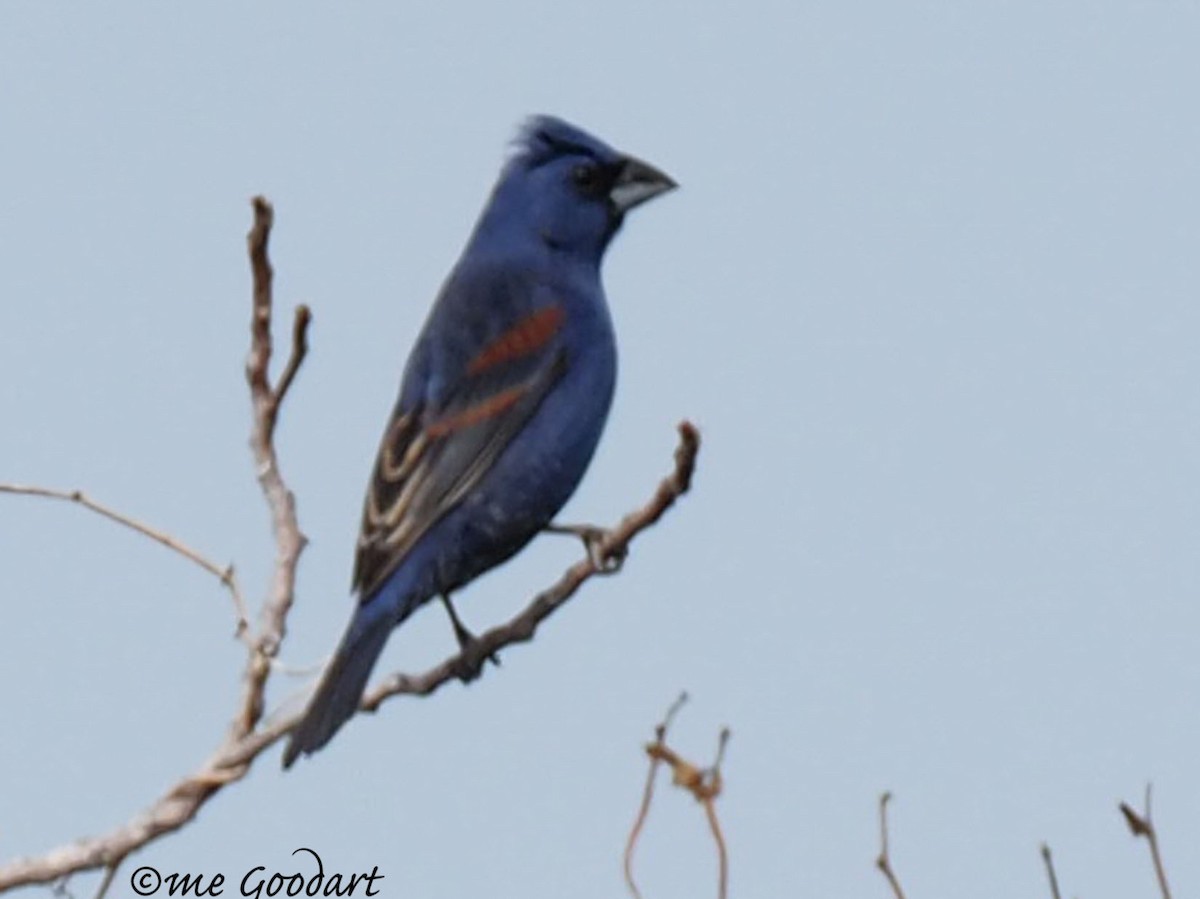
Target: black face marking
point(592, 179)
point(603, 180)
point(586, 175)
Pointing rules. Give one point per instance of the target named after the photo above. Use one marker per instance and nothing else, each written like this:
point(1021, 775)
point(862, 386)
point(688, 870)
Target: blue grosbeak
point(502, 402)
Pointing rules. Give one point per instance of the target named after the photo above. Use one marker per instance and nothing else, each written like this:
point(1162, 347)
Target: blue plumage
point(502, 402)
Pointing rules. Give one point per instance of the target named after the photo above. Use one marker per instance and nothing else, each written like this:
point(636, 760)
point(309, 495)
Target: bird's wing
point(431, 458)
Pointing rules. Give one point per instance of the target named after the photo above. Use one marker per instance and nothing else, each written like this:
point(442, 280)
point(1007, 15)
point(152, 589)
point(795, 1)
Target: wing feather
point(430, 459)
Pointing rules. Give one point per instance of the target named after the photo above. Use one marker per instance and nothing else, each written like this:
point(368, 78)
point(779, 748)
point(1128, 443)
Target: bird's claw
point(471, 659)
point(469, 664)
point(606, 559)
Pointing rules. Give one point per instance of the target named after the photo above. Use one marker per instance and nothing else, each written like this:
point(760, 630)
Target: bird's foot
point(471, 658)
point(604, 558)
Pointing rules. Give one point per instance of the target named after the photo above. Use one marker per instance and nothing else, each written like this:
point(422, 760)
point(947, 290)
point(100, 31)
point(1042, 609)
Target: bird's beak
point(636, 183)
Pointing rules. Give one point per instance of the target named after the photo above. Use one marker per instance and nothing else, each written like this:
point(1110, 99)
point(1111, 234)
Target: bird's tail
point(345, 679)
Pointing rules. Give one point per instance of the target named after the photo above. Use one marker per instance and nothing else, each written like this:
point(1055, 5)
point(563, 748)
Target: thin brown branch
point(884, 861)
point(268, 400)
point(1143, 826)
point(636, 831)
point(705, 785)
point(722, 745)
point(660, 733)
point(110, 872)
point(300, 323)
point(714, 825)
point(710, 811)
point(257, 241)
point(660, 730)
point(265, 402)
point(225, 575)
point(1049, 862)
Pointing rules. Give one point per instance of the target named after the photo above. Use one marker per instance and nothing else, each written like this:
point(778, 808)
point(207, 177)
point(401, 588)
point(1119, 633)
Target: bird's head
point(568, 189)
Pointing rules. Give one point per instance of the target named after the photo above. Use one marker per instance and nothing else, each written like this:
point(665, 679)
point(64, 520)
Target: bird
point(502, 401)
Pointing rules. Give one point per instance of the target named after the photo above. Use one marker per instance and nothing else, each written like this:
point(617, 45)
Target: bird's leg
point(606, 560)
point(471, 663)
point(465, 637)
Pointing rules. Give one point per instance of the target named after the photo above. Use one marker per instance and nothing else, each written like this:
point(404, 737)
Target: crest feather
point(545, 137)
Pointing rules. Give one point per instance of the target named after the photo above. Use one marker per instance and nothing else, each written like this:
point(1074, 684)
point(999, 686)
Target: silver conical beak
point(638, 182)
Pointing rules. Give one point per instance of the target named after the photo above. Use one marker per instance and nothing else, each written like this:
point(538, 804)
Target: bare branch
point(303, 318)
point(248, 734)
point(660, 733)
point(521, 628)
point(884, 862)
point(109, 873)
point(262, 274)
point(225, 575)
point(710, 812)
point(230, 763)
point(1049, 862)
point(705, 785)
point(265, 401)
point(636, 830)
point(1143, 826)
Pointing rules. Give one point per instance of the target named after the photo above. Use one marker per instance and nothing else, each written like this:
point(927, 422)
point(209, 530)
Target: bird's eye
point(586, 176)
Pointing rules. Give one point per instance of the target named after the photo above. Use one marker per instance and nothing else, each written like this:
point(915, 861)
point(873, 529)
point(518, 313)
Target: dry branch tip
point(1142, 825)
point(884, 861)
point(705, 785)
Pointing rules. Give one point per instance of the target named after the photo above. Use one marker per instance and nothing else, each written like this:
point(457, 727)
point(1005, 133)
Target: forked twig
point(1143, 826)
point(225, 575)
point(705, 785)
point(265, 403)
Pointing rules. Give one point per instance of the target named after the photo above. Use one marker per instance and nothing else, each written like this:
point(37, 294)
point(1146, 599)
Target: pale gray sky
point(929, 287)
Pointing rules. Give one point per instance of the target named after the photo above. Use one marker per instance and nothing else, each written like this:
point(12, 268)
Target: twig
point(249, 734)
point(660, 733)
point(300, 323)
point(1055, 894)
point(225, 575)
point(1143, 826)
point(884, 862)
point(710, 812)
point(109, 873)
point(636, 830)
point(705, 785)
